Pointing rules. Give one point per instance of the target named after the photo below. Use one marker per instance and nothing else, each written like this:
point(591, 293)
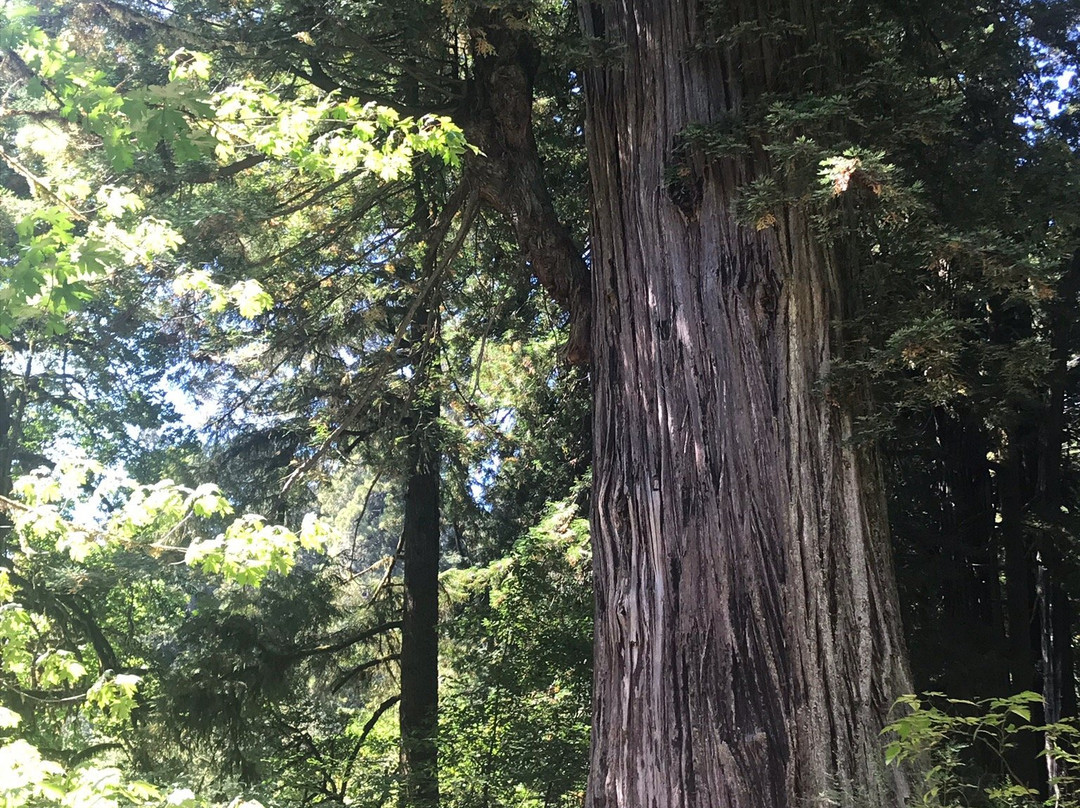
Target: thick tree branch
point(497, 118)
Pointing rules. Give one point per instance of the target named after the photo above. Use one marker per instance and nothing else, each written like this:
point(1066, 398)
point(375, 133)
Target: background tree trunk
point(418, 710)
point(421, 545)
point(748, 643)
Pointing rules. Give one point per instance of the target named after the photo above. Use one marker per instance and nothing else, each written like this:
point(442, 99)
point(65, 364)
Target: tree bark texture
point(418, 709)
point(748, 643)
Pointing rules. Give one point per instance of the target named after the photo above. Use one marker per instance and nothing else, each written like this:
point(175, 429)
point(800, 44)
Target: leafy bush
point(969, 750)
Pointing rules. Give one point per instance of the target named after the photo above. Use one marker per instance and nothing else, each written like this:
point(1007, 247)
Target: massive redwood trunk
point(748, 642)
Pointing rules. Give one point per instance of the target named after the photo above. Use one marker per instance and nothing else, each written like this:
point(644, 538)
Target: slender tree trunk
point(1051, 496)
point(748, 642)
point(1021, 603)
point(1055, 608)
point(418, 709)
